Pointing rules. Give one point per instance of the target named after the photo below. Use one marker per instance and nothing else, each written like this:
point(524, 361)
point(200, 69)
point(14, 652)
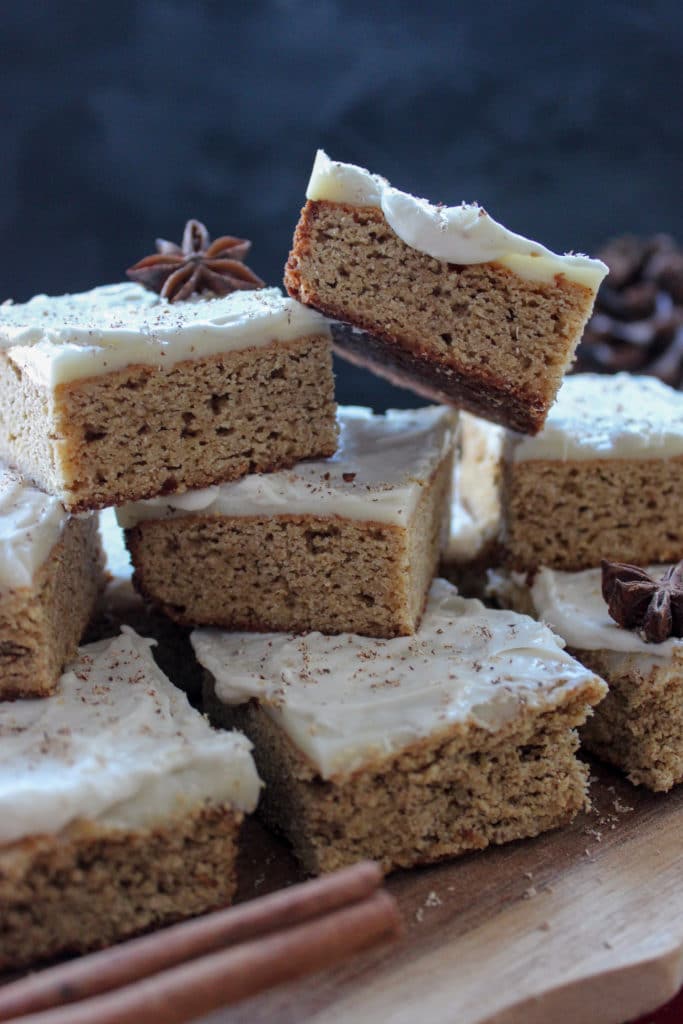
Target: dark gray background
point(121, 120)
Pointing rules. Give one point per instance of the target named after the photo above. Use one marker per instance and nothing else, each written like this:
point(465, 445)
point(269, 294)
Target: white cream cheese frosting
point(378, 473)
point(572, 604)
point(476, 505)
point(462, 234)
point(346, 699)
point(31, 523)
point(61, 338)
point(608, 416)
point(118, 745)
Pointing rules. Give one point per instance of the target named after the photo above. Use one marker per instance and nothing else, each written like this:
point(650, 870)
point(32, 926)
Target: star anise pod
point(198, 265)
point(636, 600)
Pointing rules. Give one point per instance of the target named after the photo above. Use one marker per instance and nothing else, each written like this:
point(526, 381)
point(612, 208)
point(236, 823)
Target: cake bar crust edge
point(42, 625)
point(554, 517)
point(393, 579)
point(437, 373)
point(639, 725)
point(91, 886)
point(433, 381)
point(325, 820)
point(105, 440)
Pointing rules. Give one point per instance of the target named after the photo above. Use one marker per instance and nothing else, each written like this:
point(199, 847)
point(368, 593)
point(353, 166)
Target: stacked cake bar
point(603, 479)
point(119, 807)
point(349, 543)
point(51, 572)
point(411, 749)
point(639, 725)
point(443, 300)
point(117, 394)
point(592, 537)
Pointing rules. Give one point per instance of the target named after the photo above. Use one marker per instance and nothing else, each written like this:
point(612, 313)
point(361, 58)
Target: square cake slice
point(51, 573)
point(117, 394)
point(473, 544)
point(119, 807)
point(347, 544)
point(443, 300)
point(412, 749)
point(604, 479)
point(639, 725)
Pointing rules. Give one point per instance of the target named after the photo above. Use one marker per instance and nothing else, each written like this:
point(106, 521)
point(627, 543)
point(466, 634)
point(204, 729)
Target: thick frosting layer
point(378, 473)
point(476, 506)
point(605, 416)
point(571, 603)
point(31, 523)
point(457, 234)
point(117, 744)
point(67, 337)
point(346, 699)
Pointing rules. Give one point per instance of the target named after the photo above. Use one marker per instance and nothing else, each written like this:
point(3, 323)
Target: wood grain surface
point(580, 926)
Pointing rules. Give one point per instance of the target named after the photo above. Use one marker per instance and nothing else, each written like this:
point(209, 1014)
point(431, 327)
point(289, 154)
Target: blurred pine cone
point(637, 324)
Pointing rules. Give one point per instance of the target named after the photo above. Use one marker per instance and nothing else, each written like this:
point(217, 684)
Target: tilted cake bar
point(443, 300)
point(604, 479)
point(639, 725)
point(412, 749)
point(119, 807)
point(473, 544)
point(117, 394)
point(51, 572)
point(346, 544)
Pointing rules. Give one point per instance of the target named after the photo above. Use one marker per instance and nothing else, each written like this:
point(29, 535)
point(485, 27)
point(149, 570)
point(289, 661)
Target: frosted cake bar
point(639, 725)
point(119, 807)
point(412, 749)
point(604, 479)
point(443, 300)
point(346, 544)
point(117, 394)
point(51, 572)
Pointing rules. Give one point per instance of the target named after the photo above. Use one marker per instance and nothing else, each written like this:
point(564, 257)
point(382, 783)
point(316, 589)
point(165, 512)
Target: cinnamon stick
point(123, 964)
point(196, 988)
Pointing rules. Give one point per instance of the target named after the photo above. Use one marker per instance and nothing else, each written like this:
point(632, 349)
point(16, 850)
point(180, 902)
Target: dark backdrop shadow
point(121, 120)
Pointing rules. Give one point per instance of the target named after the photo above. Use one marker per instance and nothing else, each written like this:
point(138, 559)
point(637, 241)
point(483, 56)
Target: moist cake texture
point(116, 394)
point(346, 544)
point(119, 807)
point(639, 725)
point(51, 573)
point(473, 544)
point(412, 749)
point(604, 479)
point(453, 305)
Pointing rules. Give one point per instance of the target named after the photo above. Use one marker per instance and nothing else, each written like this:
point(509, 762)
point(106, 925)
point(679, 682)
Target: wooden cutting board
point(581, 926)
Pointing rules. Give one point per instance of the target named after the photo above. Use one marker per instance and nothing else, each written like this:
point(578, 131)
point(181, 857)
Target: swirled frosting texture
point(31, 523)
point(572, 604)
point(604, 416)
point(457, 234)
point(61, 338)
point(378, 473)
point(117, 744)
point(346, 699)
